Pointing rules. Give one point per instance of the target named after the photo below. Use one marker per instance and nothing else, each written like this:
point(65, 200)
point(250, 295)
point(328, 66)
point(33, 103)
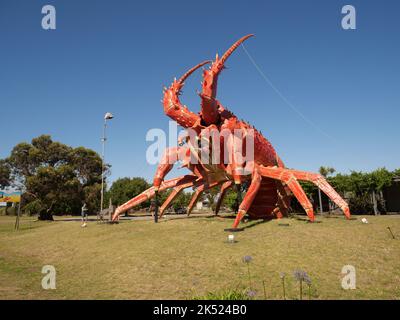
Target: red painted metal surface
point(270, 185)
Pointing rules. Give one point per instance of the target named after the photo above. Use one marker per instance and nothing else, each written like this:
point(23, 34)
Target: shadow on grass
point(249, 224)
point(23, 225)
point(184, 217)
point(74, 219)
point(254, 223)
point(304, 219)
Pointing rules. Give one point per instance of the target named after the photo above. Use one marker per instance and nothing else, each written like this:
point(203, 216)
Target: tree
point(92, 196)
point(56, 178)
point(211, 196)
point(55, 191)
point(49, 152)
point(380, 179)
point(23, 160)
point(326, 171)
point(125, 189)
point(5, 174)
point(182, 200)
point(87, 165)
point(5, 178)
point(230, 199)
point(364, 189)
point(340, 182)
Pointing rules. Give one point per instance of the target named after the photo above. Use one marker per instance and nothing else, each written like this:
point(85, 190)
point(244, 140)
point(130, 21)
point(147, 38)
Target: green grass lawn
point(189, 258)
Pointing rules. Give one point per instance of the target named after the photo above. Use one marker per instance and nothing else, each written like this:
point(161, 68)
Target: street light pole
point(321, 210)
point(107, 116)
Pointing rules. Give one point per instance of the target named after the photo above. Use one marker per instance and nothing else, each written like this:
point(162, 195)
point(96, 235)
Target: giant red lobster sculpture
point(270, 184)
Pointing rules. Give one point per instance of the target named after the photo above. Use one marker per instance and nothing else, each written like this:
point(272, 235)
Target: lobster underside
point(264, 204)
point(270, 186)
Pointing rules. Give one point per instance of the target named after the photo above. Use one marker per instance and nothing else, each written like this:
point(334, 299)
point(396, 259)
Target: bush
point(230, 200)
point(124, 189)
point(33, 208)
point(230, 294)
point(10, 211)
point(361, 204)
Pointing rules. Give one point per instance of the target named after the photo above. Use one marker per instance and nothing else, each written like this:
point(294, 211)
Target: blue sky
point(116, 56)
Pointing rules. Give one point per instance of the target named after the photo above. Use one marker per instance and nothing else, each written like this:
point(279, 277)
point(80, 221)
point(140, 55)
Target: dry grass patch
point(185, 258)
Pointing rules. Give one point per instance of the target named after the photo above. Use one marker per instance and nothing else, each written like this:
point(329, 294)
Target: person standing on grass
point(84, 214)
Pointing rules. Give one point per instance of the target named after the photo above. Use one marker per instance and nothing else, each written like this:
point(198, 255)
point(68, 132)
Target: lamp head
point(108, 116)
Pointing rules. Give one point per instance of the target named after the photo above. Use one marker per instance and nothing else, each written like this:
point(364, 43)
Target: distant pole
point(16, 227)
point(103, 140)
point(320, 201)
point(107, 116)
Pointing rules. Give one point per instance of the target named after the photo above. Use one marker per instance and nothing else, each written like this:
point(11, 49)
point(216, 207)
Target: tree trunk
point(375, 203)
point(321, 210)
point(45, 215)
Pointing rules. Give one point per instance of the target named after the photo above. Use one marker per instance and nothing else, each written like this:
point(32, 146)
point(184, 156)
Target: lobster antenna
point(234, 46)
point(187, 74)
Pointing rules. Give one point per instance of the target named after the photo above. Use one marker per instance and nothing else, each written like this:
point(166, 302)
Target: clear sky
point(116, 56)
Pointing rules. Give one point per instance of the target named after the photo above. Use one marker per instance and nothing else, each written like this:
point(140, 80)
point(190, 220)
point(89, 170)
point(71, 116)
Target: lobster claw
point(209, 105)
point(173, 107)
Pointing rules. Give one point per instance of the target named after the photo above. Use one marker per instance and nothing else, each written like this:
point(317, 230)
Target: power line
point(280, 94)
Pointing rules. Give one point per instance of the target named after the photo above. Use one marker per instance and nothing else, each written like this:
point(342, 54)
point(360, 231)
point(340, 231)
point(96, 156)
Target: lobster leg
point(195, 198)
point(321, 183)
point(224, 188)
point(291, 182)
point(150, 193)
point(175, 192)
point(155, 206)
point(283, 200)
point(170, 157)
point(248, 198)
point(239, 199)
point(199, 191)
